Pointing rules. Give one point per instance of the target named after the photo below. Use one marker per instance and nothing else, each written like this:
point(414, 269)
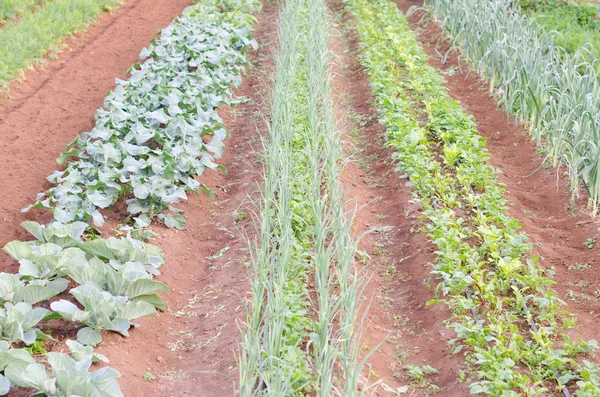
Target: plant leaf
point(89, 336)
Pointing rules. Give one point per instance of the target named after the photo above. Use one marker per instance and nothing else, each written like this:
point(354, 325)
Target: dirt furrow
point(399, 327)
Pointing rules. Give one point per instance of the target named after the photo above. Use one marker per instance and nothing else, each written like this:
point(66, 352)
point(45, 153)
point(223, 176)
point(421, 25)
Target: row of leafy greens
point(507, 319)
point(156, 132)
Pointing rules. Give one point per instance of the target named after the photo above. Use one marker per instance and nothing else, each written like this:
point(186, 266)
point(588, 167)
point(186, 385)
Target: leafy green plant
point(589, 243)
point(18, 322)
point(63, 235)
point(419, 373)
point(15, 290)
point(44, 261)
point(120, 251)
point(160, 128)
point(130, 279)
point(419, 377)
point(69, 375)
point(101, 311)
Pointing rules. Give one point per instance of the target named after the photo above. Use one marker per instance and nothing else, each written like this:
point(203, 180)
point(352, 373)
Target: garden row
point(160, 128)
point(26, 40)
point(300, 333)
point(148, 136)
point(507, 320)
point(538, 82)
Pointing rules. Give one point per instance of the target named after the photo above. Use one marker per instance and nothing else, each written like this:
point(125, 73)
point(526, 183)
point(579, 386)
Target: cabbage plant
point(101, 311)
point(15, 290)
point(18, 322)
point(130, 279)
point(70, 374)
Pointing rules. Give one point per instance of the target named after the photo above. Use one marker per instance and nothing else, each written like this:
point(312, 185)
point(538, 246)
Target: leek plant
point(540, 83)
point(295, 336)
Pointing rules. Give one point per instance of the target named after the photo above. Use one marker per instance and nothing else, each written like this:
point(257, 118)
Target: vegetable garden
point(305, 197)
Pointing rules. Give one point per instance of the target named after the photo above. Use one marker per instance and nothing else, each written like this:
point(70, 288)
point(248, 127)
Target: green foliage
point(14, 289)
point(576, 25)
point(101, 311)
point(37, 347)
point(117, 287)
point(26, 41)
point(304, 231)
point(130, 279)
point(69, 375)
point(18, 322)
point(535, 80)
point(12, 8)
point(418, 374)
point(160, 128)
point(484, 263)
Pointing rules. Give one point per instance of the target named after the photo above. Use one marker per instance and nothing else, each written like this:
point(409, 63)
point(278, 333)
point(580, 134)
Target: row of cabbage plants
point(149, 138)
point(299, 337)
point(159, 129)
point(551, 90)
point(507, 320)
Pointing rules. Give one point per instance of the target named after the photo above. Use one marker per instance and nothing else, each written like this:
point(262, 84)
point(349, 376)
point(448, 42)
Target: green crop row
point(160, 128)
point(507, 320)
point(12, 8)
point(540, 83)
point(297, 334)
point(114, 277)
point(25, 42)
point(115, 287)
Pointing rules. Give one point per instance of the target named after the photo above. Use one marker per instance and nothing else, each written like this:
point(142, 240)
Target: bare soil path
point(56, 104)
